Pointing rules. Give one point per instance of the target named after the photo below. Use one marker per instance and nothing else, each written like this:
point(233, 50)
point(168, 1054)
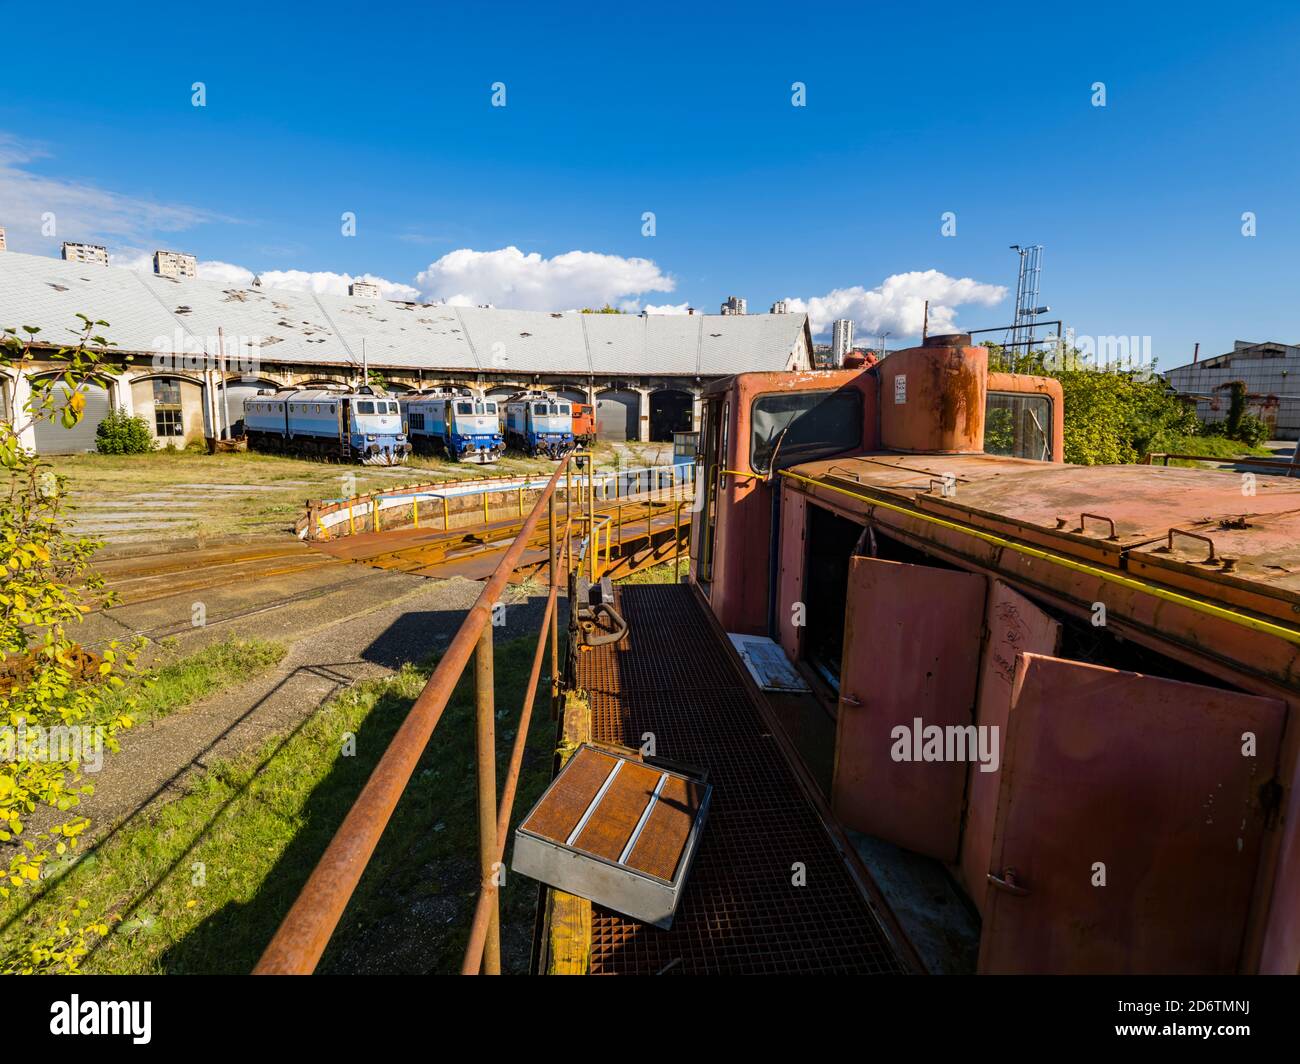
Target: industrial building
point(192, 350)
point(1270, 371)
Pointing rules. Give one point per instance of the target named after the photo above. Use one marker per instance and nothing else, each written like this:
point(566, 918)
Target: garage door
point(53, 438)
point(617, 416)
point(670, 411)
point(574, 395)
point(239, 391)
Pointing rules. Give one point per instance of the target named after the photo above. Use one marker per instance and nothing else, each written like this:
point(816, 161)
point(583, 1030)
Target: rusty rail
point(1289, 466)
point(302, 937)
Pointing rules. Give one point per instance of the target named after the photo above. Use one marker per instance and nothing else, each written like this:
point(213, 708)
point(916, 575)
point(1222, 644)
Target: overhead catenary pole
point(225, 385)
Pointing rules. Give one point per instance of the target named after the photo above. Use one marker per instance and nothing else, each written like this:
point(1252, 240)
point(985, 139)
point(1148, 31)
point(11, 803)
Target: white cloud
point(668, 308)
point(508, 277)
point(897, 305)
point(325, 282)
point(82, 211)
point(321, 281)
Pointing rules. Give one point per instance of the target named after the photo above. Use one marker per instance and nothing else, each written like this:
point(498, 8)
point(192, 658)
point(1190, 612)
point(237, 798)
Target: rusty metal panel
point(794, 506)
point(1097, 512)
point(909, 652)
point(1144, 779)
point(1013, 626)
point(1250, 560)
point(932, 398)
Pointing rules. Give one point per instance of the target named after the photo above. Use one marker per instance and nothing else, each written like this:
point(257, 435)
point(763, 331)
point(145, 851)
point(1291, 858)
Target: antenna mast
point(1027, 308)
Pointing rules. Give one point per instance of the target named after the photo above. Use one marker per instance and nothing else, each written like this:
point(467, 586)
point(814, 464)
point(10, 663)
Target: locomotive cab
point(540, 423)
point(374, 428)
point(475, 430)
point(990, 660)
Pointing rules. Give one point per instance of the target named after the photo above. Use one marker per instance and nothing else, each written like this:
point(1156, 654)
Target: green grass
point(275, 487)
point(173, 683)
point(201, 884)
point(1211, 447)
point(655, 574)
point(274, 491)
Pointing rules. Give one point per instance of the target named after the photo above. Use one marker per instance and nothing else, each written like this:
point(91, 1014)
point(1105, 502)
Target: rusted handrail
point(302, 936)
point(490, 886)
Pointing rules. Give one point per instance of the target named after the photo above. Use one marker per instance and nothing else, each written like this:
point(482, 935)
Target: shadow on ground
point(411, 911)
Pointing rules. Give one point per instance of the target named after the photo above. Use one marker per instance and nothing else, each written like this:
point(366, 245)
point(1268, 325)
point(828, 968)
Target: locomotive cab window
point(364, 406)
point(803, 426)
point(1018, 425)
point(464, 408)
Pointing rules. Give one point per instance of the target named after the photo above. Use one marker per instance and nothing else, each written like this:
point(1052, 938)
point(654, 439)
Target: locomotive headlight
point(370, 437)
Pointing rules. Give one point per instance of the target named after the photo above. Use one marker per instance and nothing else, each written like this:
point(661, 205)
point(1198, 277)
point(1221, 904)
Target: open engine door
point(1013, 625)
point(910, 651)
point(1149, 782)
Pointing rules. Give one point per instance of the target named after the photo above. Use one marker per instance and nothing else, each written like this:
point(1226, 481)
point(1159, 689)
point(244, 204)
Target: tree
point(606, 309)
point(1112, 416)
point(51, 687)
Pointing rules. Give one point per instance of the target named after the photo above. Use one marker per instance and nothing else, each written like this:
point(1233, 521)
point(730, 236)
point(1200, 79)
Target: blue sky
point(685, 110)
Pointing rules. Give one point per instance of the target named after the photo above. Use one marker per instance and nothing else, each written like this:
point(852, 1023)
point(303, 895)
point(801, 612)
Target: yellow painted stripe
point(1221, 612)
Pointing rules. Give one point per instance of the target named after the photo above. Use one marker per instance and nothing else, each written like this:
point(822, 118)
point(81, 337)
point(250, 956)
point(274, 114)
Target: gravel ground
point(355, 624)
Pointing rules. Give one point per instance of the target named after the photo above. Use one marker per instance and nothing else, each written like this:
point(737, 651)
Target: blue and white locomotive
point(360, 425)
point(453, 422)
point(539, 422)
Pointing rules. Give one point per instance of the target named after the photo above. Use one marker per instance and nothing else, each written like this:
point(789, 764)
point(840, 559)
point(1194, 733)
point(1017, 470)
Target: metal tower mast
point(1027, 308)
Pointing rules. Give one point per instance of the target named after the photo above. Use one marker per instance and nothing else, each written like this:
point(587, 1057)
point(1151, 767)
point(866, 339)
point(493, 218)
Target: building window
point(167, 419)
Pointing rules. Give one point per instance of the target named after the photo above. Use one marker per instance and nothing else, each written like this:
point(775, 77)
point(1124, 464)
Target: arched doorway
point(618, 415)
point(53, 438)
point(232, 396)
point(172, 406)
point(670, 411)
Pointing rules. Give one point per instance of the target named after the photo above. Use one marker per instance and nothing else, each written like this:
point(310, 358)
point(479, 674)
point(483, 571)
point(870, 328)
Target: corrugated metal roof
point(147, 313)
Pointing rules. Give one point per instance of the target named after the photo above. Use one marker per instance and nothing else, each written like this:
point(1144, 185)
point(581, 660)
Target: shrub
point(122, 433)
point(50, 685)
point(1240, 425)
point(1112, 416)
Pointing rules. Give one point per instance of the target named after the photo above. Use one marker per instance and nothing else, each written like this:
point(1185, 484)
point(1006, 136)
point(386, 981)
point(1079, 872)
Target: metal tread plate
point(768, 890)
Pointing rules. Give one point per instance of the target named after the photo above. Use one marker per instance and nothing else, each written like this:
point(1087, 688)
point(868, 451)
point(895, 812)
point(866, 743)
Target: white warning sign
point(900, 388)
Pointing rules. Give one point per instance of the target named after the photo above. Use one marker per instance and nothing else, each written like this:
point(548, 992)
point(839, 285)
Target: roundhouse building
point(643, 373)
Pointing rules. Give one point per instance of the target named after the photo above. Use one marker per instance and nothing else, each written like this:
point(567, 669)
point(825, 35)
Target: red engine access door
point(911, 649)
point(1012, 626)
point(1144, 776)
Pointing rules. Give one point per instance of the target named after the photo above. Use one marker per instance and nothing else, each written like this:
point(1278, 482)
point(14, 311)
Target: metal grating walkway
point(740, 913)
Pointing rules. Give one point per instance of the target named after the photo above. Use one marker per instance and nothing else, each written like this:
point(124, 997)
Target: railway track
point(637, 533)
